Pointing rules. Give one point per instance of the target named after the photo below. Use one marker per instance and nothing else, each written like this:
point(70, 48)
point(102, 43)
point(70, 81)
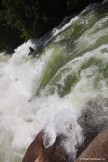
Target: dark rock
point(89, 137)
point(31, 50)
point(37, 152)
point(98, 149)
point(90, 122)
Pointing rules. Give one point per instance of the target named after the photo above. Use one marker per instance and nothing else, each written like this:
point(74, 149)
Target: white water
point(23, 115)
point(20, 118)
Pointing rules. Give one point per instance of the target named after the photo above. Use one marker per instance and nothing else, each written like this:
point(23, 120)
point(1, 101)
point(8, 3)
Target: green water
point(85, 34)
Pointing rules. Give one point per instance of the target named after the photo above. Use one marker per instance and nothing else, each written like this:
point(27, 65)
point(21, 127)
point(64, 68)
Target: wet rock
point(89, 137)
point(37, 152)
point(97, 150)
point(35, 149)
point(31, 50)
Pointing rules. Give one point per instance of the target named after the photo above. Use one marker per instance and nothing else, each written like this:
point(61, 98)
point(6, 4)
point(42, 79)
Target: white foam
point(23, 115)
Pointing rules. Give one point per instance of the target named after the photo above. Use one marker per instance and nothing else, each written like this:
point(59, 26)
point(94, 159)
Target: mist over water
point(56, 90)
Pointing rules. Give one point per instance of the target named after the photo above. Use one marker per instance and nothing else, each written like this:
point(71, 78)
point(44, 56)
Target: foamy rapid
point(56, 90)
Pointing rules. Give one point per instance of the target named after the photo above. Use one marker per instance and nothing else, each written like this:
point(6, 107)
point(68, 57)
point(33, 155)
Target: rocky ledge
point(96, 150)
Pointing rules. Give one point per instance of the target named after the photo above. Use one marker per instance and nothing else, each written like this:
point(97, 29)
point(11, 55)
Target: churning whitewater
point(55, 90)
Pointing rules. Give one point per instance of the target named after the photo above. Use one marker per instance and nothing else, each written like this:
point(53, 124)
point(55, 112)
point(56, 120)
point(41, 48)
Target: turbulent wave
point(63, 91)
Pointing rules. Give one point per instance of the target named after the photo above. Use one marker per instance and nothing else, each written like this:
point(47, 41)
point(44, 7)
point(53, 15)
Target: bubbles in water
point(69, 111)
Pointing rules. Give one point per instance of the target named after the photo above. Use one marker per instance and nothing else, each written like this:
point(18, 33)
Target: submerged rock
point(97, 150)
point(31, 50)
